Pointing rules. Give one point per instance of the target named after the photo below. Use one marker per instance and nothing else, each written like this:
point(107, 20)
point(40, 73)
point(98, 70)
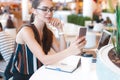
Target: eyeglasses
point(47, 9)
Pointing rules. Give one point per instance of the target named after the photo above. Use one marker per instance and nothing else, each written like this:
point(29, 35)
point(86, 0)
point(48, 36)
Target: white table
point(79, 74)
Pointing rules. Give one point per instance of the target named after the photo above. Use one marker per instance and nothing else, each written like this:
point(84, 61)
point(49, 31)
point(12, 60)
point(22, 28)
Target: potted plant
point(78, 20)
point(108, 58)
point(117, 44)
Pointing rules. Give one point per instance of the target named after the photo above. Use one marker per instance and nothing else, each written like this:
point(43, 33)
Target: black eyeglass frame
point(47, 9)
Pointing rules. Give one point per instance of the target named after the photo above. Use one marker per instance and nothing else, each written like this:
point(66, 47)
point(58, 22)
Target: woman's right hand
point(76, 47)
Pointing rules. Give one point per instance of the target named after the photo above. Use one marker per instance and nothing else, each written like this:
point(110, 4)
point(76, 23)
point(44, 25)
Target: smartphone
point(82, 32)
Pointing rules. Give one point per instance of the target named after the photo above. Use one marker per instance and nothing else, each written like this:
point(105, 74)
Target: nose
point(49, 12)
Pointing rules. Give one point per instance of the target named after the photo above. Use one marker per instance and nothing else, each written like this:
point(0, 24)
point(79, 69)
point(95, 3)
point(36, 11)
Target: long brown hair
point(1, 26)
point(47, 34)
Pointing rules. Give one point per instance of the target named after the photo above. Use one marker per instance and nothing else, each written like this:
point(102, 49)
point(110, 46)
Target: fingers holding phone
point(77, 46)
point(81, 42)
point(82, 34)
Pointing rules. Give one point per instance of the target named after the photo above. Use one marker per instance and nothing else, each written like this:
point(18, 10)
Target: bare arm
point(28, 37)
point(61, 44)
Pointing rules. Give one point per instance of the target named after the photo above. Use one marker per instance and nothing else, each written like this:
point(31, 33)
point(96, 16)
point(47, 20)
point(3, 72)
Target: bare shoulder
point(24, 33)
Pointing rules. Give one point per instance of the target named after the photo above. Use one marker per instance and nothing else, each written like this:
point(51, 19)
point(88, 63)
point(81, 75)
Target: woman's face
point(44, 11)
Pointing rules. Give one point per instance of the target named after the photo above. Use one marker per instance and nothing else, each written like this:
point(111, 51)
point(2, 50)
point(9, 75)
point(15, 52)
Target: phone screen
point(82, 32)
point(105, 38)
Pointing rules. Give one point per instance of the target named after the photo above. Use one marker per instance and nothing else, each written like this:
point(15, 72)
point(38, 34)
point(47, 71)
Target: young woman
point(35, 40)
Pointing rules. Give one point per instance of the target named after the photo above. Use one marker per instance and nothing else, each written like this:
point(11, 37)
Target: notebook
point(68, 64)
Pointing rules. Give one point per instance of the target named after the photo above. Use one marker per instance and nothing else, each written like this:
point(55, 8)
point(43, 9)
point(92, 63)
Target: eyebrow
point(46, 7)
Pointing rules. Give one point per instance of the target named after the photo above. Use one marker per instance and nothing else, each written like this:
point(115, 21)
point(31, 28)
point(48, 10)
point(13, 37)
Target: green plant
point(117, 42)
point(78, 20)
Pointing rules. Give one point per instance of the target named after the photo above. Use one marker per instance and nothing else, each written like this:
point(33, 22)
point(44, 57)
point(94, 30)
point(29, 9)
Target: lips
point(48, 18)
